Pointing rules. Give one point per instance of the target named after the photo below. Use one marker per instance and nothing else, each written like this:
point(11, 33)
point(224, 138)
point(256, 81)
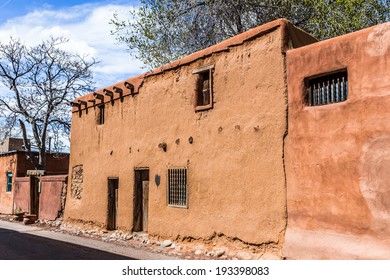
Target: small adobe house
point(20, 192)
point(337, 152)
point(192, 150)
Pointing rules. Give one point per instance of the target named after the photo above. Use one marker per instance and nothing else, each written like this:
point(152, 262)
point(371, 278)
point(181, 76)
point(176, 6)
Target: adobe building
point(337, 149)
point(192, 150)
point(14, 166)
point(11, 144)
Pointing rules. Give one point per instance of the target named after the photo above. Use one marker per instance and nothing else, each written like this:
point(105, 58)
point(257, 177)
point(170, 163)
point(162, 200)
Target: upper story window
point(9, 182)
point(327, 89)
point(100, 114)
point(204, 88)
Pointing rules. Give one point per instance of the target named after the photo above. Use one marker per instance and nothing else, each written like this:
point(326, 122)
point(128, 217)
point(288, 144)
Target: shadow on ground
point(20, 246)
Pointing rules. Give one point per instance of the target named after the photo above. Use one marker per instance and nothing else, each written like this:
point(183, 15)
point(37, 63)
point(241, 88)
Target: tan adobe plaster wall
point(235, 164)
point(338, 155)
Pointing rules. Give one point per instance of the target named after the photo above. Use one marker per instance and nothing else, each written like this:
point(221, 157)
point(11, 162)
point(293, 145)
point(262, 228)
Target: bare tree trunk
point(42, 158)
point(27, 143)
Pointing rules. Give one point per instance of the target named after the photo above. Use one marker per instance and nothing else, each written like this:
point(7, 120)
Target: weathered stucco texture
point(7, 164)
point(338, 155)
point(236, 177)
point(22, 194)
point(52, 197)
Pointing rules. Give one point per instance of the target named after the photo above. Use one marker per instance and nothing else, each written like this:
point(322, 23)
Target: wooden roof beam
point(130, 86)
point(75, 104)
point(119, 91)
point(99, 96)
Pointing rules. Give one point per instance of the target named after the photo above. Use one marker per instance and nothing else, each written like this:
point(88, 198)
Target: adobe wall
point(18, 164)
point(52, 197)
point(7, 164)
point(235, 163)
point(11, 144)
point(338, 155)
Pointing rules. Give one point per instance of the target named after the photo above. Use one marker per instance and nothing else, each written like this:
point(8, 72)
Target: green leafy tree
point(160, 31)
point(338, 17)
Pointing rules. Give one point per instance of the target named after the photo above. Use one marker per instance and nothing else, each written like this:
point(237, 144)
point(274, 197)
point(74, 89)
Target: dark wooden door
point(34, 195)
point(141, 200)
point(112, 203)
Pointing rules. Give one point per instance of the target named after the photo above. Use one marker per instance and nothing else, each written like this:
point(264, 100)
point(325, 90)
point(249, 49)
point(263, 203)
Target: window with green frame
point(9, 182)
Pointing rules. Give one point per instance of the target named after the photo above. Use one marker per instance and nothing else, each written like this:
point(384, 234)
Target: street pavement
point(29, 242)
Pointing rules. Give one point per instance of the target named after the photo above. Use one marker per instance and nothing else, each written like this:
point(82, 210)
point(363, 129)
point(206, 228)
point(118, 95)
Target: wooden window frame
point(100, 115)
point(203, 74)
point(8, 188)
point(326, 89)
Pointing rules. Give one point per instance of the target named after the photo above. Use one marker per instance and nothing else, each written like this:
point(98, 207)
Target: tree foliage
point(41, 80)
point(160, 31)
point(338, 17)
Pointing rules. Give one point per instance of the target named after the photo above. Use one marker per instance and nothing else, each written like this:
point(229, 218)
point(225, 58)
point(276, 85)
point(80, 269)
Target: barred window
point(177, 187)
point(327, 89)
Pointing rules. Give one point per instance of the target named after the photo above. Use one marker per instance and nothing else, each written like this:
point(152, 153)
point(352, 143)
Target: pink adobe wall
point(18, 164)
point(338, 155)
point(22, 194)
point(50, 197)
point(7, 164)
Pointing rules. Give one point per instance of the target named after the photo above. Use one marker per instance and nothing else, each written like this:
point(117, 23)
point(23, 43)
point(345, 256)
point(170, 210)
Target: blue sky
point(84, 23)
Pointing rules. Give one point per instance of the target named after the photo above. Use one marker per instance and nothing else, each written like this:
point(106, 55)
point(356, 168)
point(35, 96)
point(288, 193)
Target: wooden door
point(141, 200)
point(112, 204)
point(34, 195)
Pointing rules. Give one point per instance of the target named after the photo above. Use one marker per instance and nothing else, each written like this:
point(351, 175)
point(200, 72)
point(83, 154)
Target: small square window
point(177, 187)
point(327, 89)
point(204, 88)
point(100, 114)
point(9, 182)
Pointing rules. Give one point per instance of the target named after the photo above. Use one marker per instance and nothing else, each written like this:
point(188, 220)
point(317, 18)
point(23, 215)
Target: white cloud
point(87, 27)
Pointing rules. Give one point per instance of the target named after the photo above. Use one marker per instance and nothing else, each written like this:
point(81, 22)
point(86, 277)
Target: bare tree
point(41, 80)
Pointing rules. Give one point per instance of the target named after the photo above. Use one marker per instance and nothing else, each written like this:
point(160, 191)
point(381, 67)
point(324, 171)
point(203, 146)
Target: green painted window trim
point(9, 182)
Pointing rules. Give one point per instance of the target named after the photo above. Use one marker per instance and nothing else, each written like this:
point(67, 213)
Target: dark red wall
point(55, 164)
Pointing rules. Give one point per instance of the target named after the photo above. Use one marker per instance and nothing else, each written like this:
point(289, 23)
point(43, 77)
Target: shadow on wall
point(375, 180)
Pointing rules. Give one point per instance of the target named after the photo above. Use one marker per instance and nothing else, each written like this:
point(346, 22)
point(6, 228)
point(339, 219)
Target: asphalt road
point(20, 242)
